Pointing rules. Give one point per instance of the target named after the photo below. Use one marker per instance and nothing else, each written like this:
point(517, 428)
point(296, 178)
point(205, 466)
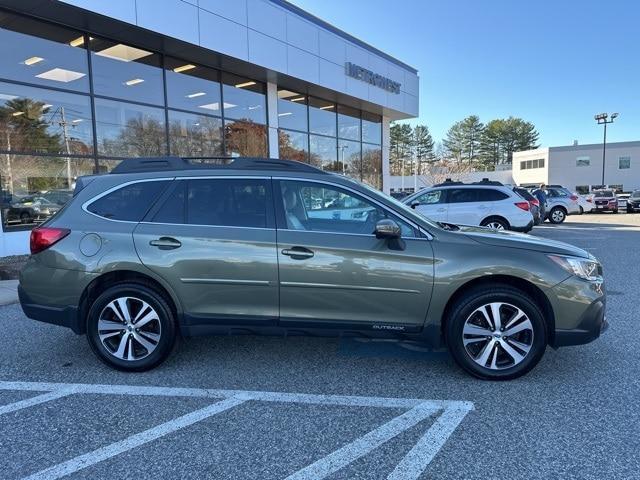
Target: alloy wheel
point(495, 225)
point(129, 328)
point(498, 336)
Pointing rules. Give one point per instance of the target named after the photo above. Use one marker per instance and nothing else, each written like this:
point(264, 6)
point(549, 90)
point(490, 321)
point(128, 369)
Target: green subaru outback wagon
point(163, 247)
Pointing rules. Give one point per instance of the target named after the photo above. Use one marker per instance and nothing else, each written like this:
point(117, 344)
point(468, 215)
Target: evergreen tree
point(464, 137)
point(423, 144)
point(502, 137)
point(401, 147)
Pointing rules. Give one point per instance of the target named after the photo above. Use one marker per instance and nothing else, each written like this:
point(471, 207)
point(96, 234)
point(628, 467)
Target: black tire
point(166, 320)
point(477, 297)
point(615, 211)
point(557, 215)
point(581, 211)
point(497, 221)
point(629, 210)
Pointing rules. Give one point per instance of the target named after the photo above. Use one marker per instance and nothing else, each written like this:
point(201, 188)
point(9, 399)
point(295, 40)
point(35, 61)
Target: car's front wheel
point(496, 332)
point(131, 327)
point(557, 215)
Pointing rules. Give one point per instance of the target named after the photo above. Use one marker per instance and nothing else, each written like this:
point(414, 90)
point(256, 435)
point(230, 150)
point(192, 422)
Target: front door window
point(318, 207)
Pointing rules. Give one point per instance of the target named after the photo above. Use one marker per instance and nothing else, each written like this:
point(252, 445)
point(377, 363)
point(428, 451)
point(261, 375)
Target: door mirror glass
point(388, 229)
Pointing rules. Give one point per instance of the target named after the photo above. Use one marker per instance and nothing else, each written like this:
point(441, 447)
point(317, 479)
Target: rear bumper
point(524, 229)
point(63, 316)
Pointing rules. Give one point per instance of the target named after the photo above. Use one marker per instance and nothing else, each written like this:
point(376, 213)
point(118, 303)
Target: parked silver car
point(560, 202)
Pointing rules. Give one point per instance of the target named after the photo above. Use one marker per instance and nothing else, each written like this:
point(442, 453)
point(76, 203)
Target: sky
point(555, 63)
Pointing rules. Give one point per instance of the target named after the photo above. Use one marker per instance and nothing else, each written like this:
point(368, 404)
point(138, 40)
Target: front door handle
point(298, 253)
point(166, 243)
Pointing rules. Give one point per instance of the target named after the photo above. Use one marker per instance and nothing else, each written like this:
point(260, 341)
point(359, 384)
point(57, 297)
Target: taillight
point(44, 237)
point(574, 197)
point(590, 200)
point(535, 202)
point(522, 205)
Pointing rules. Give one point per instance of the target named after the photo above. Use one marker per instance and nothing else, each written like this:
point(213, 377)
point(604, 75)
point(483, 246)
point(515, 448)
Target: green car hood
point(503, 238)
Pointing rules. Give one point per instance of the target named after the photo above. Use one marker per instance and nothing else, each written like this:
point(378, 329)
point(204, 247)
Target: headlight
point(585, 268)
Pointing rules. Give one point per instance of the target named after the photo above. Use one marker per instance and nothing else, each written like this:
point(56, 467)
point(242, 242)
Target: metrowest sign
point(356, 71)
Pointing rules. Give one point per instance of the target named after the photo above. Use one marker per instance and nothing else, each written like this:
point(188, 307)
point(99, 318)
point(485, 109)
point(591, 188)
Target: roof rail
point(160, 164)
point(448, 181)
point(486, 181)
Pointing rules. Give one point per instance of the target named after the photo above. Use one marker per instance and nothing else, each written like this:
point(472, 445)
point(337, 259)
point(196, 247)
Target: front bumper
point(592, 324)
point(579, 309)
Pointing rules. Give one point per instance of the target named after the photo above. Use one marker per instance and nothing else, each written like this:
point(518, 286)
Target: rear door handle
point(298, 253)
point(166, 243)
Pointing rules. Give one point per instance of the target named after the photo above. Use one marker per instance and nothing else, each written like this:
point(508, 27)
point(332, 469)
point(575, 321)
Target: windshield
point(410, 212)
point(636, 194)
point(604, 194)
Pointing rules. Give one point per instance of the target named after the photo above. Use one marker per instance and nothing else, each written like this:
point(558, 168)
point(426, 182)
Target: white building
point(579, 167)
point(85, 83)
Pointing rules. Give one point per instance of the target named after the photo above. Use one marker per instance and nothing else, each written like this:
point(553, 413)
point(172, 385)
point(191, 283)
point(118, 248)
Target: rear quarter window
point(128, 203)
point(491, 195)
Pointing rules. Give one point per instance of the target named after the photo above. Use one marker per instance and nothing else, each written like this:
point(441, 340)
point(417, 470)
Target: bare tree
point(441, 170)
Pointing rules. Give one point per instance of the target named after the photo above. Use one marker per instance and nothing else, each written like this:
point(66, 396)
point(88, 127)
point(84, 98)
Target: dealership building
point(86, 83)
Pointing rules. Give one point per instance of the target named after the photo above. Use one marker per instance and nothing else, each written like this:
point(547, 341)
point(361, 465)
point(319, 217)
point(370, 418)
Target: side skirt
point(199, 326)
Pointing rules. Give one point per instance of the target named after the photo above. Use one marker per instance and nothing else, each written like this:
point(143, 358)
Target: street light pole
point(603, 119)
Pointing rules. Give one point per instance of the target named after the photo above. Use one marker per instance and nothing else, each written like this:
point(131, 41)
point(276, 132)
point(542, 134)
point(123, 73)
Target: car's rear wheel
point(557, 215)
point(131, 327)
point(581, 211)
point(496, 223)
point(496, 332)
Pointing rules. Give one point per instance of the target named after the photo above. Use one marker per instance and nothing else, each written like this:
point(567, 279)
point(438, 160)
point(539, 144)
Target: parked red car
point(605, 201)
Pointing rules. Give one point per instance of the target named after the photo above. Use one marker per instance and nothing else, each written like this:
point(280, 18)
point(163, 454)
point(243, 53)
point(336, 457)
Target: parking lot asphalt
point(248, 407)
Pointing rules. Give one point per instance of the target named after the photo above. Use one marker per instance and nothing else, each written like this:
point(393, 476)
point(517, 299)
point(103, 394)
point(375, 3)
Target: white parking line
point(345, 400)
point(30, 402)
point(363, 445)
point(104, 453)
point(419, 457)
point(410, 467)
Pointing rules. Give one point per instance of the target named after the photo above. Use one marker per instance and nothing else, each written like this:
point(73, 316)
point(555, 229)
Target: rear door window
point(463, 195)
point(128, 203)
point(228, 202)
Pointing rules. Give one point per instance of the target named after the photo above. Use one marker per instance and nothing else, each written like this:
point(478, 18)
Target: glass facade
point(72, 104)
point(330, 136)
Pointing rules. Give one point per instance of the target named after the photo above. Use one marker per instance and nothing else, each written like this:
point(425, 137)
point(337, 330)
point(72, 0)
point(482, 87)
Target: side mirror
point(415, 204)
point(387, 229)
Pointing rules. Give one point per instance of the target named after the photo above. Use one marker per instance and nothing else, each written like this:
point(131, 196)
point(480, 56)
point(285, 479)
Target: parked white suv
point(485, 203)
